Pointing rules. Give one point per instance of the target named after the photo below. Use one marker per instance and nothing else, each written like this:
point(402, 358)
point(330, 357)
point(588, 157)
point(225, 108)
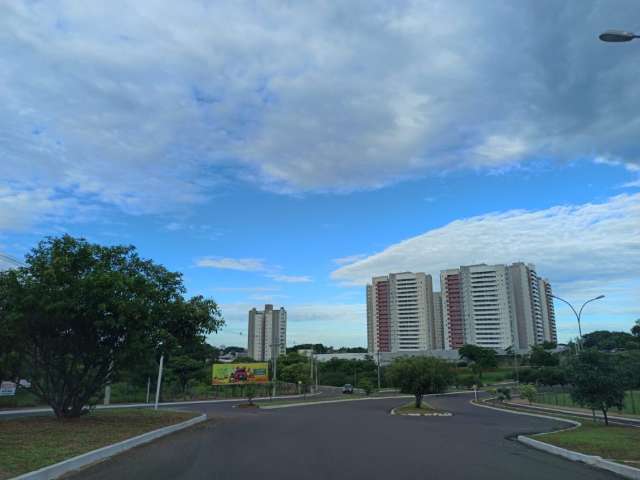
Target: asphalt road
point(354, 440)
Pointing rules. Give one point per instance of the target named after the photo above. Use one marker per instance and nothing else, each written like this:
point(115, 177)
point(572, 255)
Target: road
point(354, 440)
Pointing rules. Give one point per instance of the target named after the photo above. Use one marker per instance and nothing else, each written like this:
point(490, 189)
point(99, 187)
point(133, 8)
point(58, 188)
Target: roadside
point(617, 443)
point(31, 443)
point(627, 417)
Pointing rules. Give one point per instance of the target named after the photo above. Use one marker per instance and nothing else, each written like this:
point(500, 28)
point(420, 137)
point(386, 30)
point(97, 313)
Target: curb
point(58, 469)
point(323, 402)
point(19, 412)
point(435, 414)
point(632, 422)
point(593, 460)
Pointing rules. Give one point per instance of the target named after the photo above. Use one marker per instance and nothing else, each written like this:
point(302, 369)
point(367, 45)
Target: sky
point(285, 152)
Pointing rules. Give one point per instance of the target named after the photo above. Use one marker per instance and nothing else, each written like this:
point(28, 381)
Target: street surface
point(354, 440)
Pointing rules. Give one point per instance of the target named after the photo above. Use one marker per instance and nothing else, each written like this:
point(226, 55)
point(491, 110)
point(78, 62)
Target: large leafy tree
point(540, 357)
point(608, 341)
point(597, 381)
point(77, 313)
point(635, 330)
point(419, 376)
point(481, 358)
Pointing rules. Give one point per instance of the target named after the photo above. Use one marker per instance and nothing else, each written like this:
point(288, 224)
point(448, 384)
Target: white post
point(316, 376)
point(159, 382)
point(148, 388)
point(475, 391)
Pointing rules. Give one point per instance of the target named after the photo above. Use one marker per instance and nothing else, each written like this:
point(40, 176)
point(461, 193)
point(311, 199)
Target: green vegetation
point(528, 392)
point(31, 443)
point(597, 381)
point(79, 313)
point(481, 358)
point(613, 442)
point(630, 406)
point(609, 341)
point(419, 376)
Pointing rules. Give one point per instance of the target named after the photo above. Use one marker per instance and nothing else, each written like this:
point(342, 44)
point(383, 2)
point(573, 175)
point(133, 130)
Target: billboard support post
point(159, 382)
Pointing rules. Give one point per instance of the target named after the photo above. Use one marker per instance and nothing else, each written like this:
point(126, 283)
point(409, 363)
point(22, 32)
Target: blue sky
point(284, 155)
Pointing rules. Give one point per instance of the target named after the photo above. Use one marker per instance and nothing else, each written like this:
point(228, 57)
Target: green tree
point(529, 392)
point(635, 330)
point(184, 368)
point(542, 358)
point(597, 381)
point(481, 358)
point(366, 384)
point(419, 376)
point(77, 313)
point(607, 341)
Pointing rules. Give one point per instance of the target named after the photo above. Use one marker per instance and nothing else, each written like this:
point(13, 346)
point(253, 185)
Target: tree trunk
point(604, 412)
point(418, 400)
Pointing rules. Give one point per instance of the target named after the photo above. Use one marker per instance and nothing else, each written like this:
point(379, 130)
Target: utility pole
point(316, 376)
point(159, 382)
point(148, 388)
point(275, 371)
point(378, 369)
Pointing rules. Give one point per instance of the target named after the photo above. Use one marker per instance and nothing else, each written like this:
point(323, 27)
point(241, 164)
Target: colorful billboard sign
point(240, 373)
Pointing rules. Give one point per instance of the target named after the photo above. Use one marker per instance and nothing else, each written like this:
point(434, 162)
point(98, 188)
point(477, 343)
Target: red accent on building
point(454, 310)
point(383, 316)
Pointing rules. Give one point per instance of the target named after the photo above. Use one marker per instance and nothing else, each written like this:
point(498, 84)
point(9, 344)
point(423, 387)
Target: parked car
point(348, 388)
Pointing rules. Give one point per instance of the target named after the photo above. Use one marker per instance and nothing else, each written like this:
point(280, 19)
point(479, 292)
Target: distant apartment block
point(494, 306)
point(400, 313)
point(267, 336)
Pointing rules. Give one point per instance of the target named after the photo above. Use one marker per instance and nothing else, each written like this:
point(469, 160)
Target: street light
point(578, 314)
point(617, 36)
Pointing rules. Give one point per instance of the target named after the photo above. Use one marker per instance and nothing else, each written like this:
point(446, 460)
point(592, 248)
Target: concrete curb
point(58, 469)
point(19, 412)
point(322, 402)
point(435, 414)
point(632, 422)
point(593, 460)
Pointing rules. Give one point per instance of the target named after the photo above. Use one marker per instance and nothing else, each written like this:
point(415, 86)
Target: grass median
point(613, 442)
point(618, 443)
point(31, 443)
point(425, 409)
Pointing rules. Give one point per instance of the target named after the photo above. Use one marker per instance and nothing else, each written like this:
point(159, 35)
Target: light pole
point(578, 314)
point(617, 36)
point(378, 369)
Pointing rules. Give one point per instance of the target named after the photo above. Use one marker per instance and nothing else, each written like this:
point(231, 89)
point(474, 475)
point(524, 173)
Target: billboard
point(239, 373)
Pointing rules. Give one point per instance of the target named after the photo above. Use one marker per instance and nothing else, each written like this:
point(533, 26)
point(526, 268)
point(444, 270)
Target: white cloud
point(349, 259)
point(291, 278)
point(114, 103)
point(242, 264)
point(567, 243)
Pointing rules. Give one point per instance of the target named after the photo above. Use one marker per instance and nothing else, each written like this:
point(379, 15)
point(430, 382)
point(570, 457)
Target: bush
point(366, 385)
point(503, 394)
point(529, 392)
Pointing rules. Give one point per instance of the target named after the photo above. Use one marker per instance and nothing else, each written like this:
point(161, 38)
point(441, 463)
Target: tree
point(529, 392)
point(482, 358)
point(184, 367)
point(608, 341)
point(366, 385)
point(597, 381)
point(419, 376)
point(542, 358)
point(78, 313)
point(635, 330)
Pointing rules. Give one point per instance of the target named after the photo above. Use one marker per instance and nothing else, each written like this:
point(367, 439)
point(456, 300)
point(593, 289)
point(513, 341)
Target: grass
point(31, 443)
point(22, 399)
point(612, 442)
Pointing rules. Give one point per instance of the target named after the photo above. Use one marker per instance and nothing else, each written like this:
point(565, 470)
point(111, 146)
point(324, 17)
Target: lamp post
point(578, 314)
point(617, 36)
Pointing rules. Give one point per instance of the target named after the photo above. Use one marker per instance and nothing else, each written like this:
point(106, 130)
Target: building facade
point(494, 306)
point(400, 313)
point(267, 337)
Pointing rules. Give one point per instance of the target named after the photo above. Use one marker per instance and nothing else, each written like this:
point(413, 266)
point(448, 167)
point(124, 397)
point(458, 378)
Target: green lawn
point(614, 443)
point(31, 443)
point(563, 399)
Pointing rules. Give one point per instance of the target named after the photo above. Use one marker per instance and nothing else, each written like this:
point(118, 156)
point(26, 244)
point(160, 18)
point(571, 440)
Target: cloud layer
point(569, 244)
point(152, 106)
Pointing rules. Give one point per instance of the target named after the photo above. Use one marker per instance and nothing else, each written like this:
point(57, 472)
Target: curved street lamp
point(617, 36)
point(578, 314)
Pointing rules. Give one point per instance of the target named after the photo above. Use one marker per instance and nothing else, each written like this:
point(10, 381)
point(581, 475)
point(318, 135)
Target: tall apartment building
point(400, 313)
point(267, 333)
point(487, 306)
point(496, 306)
